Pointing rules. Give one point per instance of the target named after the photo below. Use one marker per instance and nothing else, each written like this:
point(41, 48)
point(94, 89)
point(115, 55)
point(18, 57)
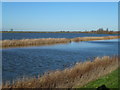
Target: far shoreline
point(93, 32)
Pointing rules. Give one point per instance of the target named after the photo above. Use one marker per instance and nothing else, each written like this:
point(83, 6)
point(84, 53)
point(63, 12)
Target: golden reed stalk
point(48, 41)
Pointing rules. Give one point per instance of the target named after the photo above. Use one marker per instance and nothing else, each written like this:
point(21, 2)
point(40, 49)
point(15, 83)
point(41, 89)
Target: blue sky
point(60, 0)
point(57, 16)
point(0, 16)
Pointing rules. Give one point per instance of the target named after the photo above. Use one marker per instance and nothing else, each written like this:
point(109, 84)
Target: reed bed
point(48, 41)
point(32, 42)
point(94, 38)
point(78, 75)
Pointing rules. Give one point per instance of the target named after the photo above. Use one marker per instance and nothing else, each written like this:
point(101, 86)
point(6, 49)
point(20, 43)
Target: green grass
point(110, 81)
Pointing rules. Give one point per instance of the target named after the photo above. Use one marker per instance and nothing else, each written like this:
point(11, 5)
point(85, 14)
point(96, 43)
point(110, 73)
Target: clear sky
point(0, 17)
point(57, 16)
point(60, 0)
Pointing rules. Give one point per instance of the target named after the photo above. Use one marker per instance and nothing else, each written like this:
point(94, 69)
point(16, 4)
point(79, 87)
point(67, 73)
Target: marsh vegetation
point(49, 41)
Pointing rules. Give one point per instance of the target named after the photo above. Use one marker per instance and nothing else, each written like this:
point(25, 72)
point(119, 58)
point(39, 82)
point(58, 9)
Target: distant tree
point(11, 29)
point(100, 30)
point(107, 30)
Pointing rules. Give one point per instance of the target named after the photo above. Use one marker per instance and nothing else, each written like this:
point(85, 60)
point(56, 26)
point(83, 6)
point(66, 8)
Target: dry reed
point(32, 42)
point(48, 41)
point(94, 38)
point(78, 75)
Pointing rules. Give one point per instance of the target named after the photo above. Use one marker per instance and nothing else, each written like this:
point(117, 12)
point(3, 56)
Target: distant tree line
point(102, 31)
point(98, 31)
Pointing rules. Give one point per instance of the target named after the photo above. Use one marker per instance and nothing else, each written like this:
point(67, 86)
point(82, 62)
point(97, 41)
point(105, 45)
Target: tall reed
point(48, 41)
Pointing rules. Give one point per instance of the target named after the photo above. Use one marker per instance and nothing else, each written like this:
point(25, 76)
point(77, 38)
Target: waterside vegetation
point(110, 81)
point(48, 41)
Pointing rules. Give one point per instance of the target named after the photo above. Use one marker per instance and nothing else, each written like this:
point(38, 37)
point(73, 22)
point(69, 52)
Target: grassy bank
point(48, 41)
point(110, 81)
point(78, 75)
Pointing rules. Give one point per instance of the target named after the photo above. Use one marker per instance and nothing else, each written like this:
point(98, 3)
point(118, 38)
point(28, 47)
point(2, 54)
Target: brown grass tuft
point(79, 75)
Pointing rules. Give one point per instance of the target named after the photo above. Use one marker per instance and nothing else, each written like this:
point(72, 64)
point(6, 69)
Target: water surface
point(10, 36)
point(32, 61)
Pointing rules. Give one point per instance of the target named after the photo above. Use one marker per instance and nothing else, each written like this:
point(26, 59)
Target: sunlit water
point(32, 61)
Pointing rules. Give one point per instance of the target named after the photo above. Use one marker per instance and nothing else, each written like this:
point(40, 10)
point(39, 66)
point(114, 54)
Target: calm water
point(48, 35)
point(31, 61)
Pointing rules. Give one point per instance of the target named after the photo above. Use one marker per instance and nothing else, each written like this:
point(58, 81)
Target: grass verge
point(110, 81)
